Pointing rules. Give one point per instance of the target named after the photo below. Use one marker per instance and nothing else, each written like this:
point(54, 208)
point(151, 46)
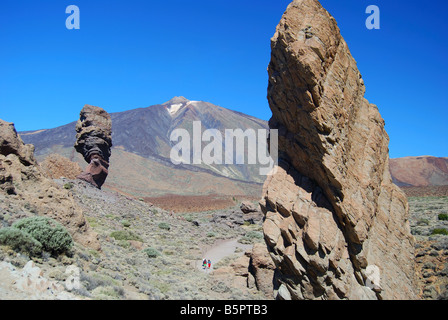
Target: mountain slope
point(419, 171)
point(140, 162)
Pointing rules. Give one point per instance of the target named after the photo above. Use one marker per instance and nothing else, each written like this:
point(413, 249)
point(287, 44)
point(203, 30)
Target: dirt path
point(221, 250)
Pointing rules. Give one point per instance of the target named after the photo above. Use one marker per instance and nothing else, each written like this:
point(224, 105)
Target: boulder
point(73, 281)
point(262, 269)
point(247, 207)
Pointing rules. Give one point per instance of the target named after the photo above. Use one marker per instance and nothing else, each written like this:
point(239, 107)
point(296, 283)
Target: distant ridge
point(422, 171)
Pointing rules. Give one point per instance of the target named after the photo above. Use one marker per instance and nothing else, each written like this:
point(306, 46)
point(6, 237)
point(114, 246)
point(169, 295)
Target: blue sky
point(136, 53)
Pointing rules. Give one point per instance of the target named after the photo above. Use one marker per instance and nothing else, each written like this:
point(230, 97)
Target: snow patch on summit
point(172, 109)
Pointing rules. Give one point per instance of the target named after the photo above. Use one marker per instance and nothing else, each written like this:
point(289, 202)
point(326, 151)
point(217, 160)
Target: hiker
point(204, 263)
point(209, 263)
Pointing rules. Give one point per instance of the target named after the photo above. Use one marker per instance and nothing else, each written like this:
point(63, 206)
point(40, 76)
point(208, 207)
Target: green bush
point(443, 216)
point(441, 231)
point(20, 241)
point(125, 223)
point(164, 225)
point(125, 235)
point(68, 186)
point(423, 222)
point(254, 235)
point(151, 252)
point(52, 235)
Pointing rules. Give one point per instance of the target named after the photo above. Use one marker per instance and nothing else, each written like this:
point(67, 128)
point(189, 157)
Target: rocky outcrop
point(94, 141)
point(262, 268)
point(11, 143)
point(253, 270)
point(235, 218)
point(247, 207)
point(28, 283)
point(335, 223)
point(26, 191)
point(56, 166)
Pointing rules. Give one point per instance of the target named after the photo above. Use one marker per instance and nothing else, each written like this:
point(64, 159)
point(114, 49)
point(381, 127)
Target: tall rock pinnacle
point(336, 226)
point(93, 141)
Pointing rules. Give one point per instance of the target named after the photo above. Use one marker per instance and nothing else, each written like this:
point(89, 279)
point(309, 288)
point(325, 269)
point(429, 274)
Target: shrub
point(68, 186)
point(125, 223)
point(51, 234)
point(441, 231)
point(151, 252)
point(107, 293)
point(125, 235)
point(245, 240)
point(423, 222)
point(164, 225)
point(20, 241)
point(254, 235)
point(443, 216)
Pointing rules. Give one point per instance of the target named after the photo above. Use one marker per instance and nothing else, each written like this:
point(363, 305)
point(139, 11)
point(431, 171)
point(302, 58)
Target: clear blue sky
point(136, 53)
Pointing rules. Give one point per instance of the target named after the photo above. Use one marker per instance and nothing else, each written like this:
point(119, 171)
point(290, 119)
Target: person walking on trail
point(204, 263)
point(209, 263)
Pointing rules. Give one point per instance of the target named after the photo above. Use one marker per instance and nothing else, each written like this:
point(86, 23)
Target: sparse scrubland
point(146, 252)
point(430, 228)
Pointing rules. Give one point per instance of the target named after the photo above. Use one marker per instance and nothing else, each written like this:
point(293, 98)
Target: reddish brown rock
point(94, 142)
point(419, 171)
point(333, 215)
point(56, 166)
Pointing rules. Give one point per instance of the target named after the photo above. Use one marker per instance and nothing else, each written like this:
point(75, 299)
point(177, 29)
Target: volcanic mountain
point(140, 161)
point(421, 171)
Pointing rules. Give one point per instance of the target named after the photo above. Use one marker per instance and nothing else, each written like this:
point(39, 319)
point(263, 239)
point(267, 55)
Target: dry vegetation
point(429, 225)
point(147, 252)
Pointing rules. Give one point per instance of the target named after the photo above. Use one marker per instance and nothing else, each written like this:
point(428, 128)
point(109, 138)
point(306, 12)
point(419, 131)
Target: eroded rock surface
point(94, 141)
point(333, 215)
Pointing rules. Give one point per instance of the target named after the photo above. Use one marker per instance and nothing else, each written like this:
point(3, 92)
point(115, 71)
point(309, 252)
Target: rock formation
point(335, 223)
point(236, 218)
point(93, 141)
point(26, 191)
point(262, 268)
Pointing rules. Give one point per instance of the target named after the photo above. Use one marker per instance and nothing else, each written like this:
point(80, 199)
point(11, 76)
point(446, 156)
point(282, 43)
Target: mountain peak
point(177, 100)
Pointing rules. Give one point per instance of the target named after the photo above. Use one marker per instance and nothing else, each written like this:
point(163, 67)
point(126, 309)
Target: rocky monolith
point(94, 141)
point(336, 226)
